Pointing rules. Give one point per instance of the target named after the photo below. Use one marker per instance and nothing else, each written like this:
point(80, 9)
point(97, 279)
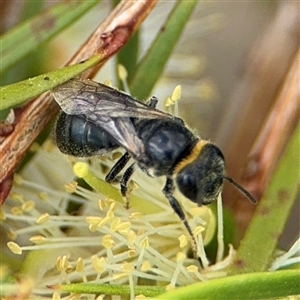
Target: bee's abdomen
point(78, 137)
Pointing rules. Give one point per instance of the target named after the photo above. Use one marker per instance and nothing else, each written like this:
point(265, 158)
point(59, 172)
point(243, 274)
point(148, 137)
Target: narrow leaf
point(268, 285)
point(150, 68)
point(261, 239)
point(20, 92)
point(110, 289)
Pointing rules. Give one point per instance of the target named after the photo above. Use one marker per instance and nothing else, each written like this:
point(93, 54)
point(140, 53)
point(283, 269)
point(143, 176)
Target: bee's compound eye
point(202, 190)
point(187, 185)
point(201, 179)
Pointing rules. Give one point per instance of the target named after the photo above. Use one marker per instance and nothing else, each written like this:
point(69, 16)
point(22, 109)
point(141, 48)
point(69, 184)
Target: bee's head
point(200, 176)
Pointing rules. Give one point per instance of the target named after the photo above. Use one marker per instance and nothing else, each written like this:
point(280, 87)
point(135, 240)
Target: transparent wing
point(107, 108)
point(83, 96)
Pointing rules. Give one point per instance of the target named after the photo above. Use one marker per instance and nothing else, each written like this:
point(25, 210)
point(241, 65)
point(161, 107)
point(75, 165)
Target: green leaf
point(252, 286)
point(30, 9)
point(110, 289)
point(128, 55)
point(20, 92)
point(20, 41)
point(260, 241)
point(152, 65)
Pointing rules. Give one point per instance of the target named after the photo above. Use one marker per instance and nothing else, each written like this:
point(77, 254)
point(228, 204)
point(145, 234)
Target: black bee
point(97, 119)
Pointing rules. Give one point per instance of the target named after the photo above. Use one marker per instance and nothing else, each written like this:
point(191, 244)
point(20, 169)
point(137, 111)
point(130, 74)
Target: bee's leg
point(152, 102)
point(124, 185)
point(111, 177)
point(168, 191)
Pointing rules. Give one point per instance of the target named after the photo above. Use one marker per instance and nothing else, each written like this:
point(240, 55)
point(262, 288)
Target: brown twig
point(272, 141)
point(108, 38)
point(254, 96)
point(281, 122)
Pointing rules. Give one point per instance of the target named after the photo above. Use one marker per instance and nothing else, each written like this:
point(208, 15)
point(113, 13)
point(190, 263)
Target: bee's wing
point(83, 96)
point(107, 108)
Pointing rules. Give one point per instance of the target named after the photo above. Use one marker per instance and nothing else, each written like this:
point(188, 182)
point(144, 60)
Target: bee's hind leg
point(124, 185)
point(112, 175)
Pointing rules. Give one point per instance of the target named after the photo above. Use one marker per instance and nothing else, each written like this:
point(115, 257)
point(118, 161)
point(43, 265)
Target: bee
point(96, 119)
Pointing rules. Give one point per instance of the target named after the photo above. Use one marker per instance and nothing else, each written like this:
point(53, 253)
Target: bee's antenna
point(239, 187)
